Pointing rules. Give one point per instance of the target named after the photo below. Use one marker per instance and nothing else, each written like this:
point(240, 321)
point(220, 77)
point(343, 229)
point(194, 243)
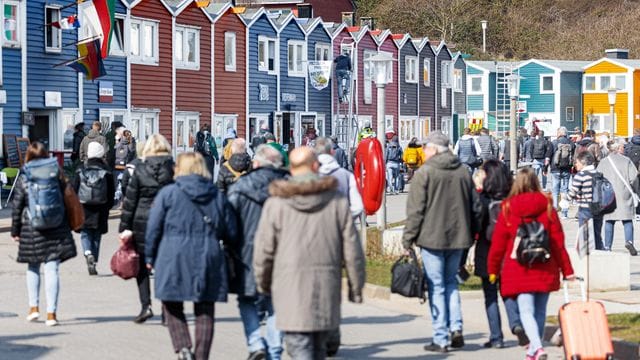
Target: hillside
point(517, 29)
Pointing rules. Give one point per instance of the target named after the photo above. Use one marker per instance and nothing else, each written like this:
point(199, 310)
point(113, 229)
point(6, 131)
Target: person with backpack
point(561, 163)
point(339, 153)
point(489, 148)
point(151, 175)
point(541, 152)
point(588, 143)
point(239, 164)
point(528, 253)
point(495, 188)
point(40, 226)
point(468, 150)
point(623, 175)
point(632, 148)
point(93, 182)
point(94, 135)
point(393, 159)
point(413, 156)
point(206, 146)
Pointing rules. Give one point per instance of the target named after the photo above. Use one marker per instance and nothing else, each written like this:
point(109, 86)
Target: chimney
point(369, 21)
point(617, 53)
point(348, 18)
point(305, 11)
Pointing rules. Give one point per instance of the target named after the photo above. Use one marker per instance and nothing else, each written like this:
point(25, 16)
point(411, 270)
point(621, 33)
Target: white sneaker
point(51, 319)
point(33, 316)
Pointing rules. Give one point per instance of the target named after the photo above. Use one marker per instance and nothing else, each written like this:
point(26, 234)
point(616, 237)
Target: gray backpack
point(93, 186)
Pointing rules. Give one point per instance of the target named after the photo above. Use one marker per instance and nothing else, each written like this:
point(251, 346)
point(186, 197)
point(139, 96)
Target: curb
point(5, 226)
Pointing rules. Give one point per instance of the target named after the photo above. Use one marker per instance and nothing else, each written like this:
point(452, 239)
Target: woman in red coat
point(530, 284)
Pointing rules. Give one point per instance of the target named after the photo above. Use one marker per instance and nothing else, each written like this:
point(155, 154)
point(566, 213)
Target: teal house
point(487, 94)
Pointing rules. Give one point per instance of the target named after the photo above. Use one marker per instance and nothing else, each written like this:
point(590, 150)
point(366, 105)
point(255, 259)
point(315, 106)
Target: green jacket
point(443, 207)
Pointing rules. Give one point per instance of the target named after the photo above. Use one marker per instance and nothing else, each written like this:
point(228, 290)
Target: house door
point(309, 129)
point(288, 124)
point(40, 131)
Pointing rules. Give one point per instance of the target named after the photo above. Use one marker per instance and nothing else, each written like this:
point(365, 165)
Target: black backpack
point(407, 277)
point(93, 186)
point(46, 206)
point(603, 197)
point(539, 148)
point(493, 209)
point(202, 144)
point(532, 244)
point(633, 153)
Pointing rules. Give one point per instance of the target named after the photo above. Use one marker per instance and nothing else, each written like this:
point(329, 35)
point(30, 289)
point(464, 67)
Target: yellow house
point(613, 71)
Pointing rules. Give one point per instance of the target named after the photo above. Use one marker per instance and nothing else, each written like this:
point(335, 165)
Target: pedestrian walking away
point(151, 175)
point(393, 159)
point(529, 280)
point(468, 151)
point(339, 153)
point(78, 136)
point(443, 209)
point(541, 151)
point(303, 274)
point(561, 163)
point(247, 197)
point(206, 146)
point(186, 221)
point(39, 224)
point(581, 190)
point(489, 148)
point(237, 165)
point(413, 157)
point(93, 136)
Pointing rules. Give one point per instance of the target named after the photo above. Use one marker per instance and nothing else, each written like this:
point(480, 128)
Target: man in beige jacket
point(305, 234)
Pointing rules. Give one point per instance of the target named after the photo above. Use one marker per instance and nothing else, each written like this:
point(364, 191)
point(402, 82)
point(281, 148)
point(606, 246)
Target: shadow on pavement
point(10, 349)
point(377, 319)
point(368, 351)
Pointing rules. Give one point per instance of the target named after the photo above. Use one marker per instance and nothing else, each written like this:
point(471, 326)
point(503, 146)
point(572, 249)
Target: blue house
point(551, 92)
point(409, 74)
point(318, 102)
point(263, 72)
point(427, 86)
point(12, 53)
point(459, 101)
point(444, 89)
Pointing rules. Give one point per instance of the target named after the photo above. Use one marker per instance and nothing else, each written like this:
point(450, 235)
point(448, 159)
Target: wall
point(366, 44)
point(443, 55)
point(319, 101)
point(11, 83)
point(391, 90)
point(530, 85)
point(571, 95)
point(331, 12)
point(476, 102)
point(408, 90)
point(460, 98)
point(427, 104)
point(290, 84)
point(260, 27)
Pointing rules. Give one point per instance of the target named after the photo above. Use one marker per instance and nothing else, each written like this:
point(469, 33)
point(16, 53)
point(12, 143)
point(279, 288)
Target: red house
point(366, 99)
point(386, 43)
point(328, 10)
point(344, 43)
point(230, 71)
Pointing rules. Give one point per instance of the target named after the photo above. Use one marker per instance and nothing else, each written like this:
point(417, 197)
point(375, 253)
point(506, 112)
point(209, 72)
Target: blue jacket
point(188, 258)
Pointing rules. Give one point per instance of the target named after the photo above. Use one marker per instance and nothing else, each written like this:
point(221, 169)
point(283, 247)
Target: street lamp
point(612, 92)
point(381, 63)
point(513, 81)
point(484, 36)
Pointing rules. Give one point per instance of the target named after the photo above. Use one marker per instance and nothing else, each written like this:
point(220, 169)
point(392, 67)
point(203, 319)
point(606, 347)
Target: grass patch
point(625, 326)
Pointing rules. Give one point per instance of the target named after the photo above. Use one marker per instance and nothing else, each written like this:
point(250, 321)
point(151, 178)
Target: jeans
point(533, 313)
point(608, 232)
point(52, 285)
point(90, 239)
point(493, 311)
point(538, 167)
point(252, 310)
point(441, 267)
point(584, 215)
point(560, 186)
point(393, 176)
point(344, 81)
point(307, 346)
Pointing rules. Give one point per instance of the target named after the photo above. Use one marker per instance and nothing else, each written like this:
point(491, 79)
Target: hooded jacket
point(341, 156)
point(92, 136)
point(183, 247)
point(346, 182)
point(443, 207)
point(247, 197)
point(240, 163)
point(305, 236)
point(515, 278)
point(96, 216)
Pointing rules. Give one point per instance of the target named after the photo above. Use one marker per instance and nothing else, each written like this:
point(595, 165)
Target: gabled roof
point(401, 39)
point(311, 25)
point(271, 2)
point(557, 65)
point(357, 32)
point(335, 29)
point(629, 64)
point(250, 16)
point(458, 56)
point(167, 4)
point(423, 43)
point(489, 66)
point(442, 45)
point(380, 36)
point(283, 20)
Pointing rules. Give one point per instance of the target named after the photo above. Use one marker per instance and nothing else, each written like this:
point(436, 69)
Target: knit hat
point(95, 150)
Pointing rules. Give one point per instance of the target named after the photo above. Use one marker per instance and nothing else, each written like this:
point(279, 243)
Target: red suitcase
point(585, 329)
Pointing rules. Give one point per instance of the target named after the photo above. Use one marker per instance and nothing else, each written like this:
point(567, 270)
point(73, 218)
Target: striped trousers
point(179, 330)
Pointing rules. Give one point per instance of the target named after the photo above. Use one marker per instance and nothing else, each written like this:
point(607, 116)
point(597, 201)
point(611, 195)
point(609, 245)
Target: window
point(475, 85)
point(446, 74)
point(569, 113)
point(546, 84)
point(222, 122)
point(230, 51)
point(323, 52)
point(411, 69)
point(63, 140)
point(368, 77)
point(589, 83)
point(444, 92)
point(600, 122)
point(457, 80)
point(143, 125)
point(426, 72)
point(445, 123)
point(296, 58)
point(605, 83)
point(144, 42)
point(187, 125)
point(257, 122)
point(117, 38)
point(52, 34)
point(187, 48)
point(267, 54)
point(12, 31)
point(621, 82)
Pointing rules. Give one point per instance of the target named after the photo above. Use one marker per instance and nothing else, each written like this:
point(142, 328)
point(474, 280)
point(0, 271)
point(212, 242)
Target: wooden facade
point(387, 44)
point(366, 88)
point(427, 85)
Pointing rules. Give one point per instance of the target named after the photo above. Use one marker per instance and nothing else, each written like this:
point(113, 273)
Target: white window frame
point(17, 42)
point(182, 132)
point(445, 124)
point(553, 85)
point(470, 80)
point(600, 85)
point(113, 50)
point(595, 83)
point(56, 137)
point(624, 80)
point(446, 72)
point(296, 44)
point(141, 58)
point(265, 67)
point(368, 77)
point(222, 122)
point(259, 119)
point(141, 117)
point(322, 49)
point(411, 69)
point(230, 49)
point(457, 80)
point(185, 64)
point(567, 112)
point(426, 69)
point(443, 97)
point(55, 32)
point(602, 122)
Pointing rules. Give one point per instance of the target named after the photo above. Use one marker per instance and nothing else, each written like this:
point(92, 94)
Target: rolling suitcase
point(585, 330)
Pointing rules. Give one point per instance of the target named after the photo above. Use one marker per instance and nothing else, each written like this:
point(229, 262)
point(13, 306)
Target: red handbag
point(126, 261)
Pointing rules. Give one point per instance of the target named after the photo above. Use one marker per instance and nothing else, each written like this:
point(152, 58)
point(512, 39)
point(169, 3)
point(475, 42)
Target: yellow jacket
point(413, 156)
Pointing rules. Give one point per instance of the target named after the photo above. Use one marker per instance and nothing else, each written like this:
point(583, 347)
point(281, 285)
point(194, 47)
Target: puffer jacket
point(38, 246)
point(96, 216)
point(148, 178)
point(247, 196)
point(240, 163)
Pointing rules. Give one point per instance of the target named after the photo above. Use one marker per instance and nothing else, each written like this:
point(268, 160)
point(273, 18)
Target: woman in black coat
point(149, 177)
point(51, 246)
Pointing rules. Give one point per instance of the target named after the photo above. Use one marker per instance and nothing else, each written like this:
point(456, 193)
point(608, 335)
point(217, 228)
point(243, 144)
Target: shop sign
point(105, 92)
point(288, 97)
point(52, 99)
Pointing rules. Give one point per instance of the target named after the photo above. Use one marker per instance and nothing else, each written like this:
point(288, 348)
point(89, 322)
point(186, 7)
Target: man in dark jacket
point(561, 163)
point(206, 146)
point(339, 153)
point(343, 75)
point(247, 196)
point(442, 210)
point(393, 158)
point(541, 152)
point(110, 149)
point(78, 135)
point(96, 216)
point(632, 149)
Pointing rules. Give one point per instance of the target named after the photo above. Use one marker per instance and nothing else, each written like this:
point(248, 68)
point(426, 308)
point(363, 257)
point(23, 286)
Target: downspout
point(23, 53)
point(173, 86)
point(127, 21)
point(213, 77)
point(435, 91)
point(247, 93)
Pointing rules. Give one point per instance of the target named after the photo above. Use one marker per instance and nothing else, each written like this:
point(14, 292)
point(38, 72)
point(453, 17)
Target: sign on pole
point(522, 106)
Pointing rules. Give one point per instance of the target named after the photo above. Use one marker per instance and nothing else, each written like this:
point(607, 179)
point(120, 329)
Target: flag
point(67, 23)
point(99, 15)
point(90, 61)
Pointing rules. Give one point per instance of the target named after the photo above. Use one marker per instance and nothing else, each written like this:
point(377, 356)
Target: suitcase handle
point(583, 290)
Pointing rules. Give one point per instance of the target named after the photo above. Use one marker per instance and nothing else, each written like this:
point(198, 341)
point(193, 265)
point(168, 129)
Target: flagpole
point(64, 63)
point(84, 40)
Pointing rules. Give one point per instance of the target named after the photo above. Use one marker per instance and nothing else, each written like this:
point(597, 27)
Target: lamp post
point(514, 89)
point(380, 63)
point(484, 36)
point(612, 92)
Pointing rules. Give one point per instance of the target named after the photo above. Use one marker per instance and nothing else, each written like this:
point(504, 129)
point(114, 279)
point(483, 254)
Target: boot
point(145, 314)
